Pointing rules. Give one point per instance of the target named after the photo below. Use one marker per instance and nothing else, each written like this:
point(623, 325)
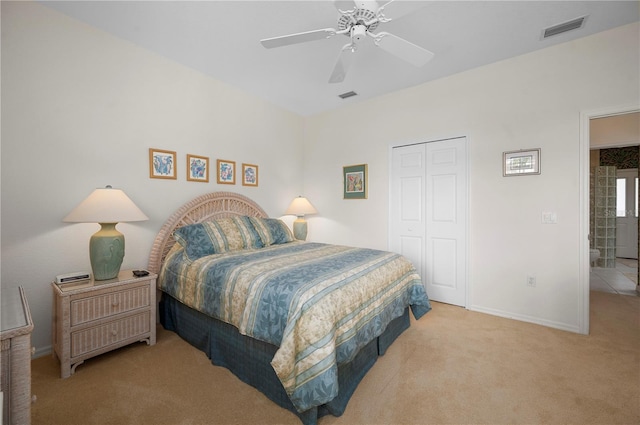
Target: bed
point(302, 322)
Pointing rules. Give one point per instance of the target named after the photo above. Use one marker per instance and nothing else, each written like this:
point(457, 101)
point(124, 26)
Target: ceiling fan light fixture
point(358, 32)
point(358, 23)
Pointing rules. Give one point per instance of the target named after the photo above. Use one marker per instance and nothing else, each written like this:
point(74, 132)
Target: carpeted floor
point(452, 367)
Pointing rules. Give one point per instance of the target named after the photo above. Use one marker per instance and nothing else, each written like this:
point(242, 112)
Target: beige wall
point(80, 109)
point(531, 101)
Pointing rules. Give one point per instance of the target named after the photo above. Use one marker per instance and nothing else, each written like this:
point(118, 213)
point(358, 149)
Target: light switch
point(549, 218)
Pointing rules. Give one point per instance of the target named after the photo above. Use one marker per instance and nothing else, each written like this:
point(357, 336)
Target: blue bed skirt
point(250, 359)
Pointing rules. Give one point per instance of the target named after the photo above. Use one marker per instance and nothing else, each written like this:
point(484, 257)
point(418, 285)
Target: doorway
point(584, 224)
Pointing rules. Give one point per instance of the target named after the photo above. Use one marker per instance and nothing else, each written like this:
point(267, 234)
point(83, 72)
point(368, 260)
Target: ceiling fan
point(357, 24)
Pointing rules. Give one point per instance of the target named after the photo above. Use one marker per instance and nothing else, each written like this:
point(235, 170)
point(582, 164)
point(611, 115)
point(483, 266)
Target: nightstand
point(96, 316)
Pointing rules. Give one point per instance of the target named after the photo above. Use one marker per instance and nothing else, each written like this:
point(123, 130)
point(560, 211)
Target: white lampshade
point(300, 206)
point(106, 205)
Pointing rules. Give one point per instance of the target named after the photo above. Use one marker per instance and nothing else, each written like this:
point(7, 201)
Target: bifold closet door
point(407, 199)
point(429, 214)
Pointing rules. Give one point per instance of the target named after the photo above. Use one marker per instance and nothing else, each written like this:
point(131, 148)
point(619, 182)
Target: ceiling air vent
point(573, 24)
point(347, 94)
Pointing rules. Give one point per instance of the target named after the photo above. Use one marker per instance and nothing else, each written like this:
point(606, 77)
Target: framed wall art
point(197, 168)
point(249, 175)
point(226, 172)
point(162, 164)
point(355, 181)
point(521, 163)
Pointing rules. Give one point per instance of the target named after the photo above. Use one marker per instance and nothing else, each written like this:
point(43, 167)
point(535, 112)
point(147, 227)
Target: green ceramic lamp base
point(106, 251)
point(300, 229)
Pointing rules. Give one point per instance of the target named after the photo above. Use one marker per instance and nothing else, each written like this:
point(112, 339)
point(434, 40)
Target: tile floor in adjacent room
point(621, 280)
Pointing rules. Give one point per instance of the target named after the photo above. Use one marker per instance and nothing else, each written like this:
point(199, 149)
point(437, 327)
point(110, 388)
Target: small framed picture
point(226, 172)
point(162, 164)
point(355, 181)
point(249, 175)
point(197, 168)
point(521, 163)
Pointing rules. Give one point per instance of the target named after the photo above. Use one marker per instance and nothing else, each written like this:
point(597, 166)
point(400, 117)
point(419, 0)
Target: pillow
point(272, 231)
point(217, 237)
point(197, 242)
point(242, 228)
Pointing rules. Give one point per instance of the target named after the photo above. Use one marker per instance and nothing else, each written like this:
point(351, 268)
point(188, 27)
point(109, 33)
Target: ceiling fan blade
point(301, 37)
point(395, 9)
point(343, 64)
point(344, 5)
point(415, 55)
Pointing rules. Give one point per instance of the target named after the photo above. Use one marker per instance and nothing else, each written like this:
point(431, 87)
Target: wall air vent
point(571, 25)
point(347, 94)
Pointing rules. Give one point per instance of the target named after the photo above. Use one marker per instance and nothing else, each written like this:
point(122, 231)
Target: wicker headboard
point(206, 207)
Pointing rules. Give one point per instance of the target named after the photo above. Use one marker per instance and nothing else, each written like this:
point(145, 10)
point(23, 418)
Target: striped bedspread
point(318, 303)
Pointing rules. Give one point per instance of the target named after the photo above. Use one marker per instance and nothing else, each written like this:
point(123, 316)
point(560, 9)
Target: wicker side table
point(16, 357)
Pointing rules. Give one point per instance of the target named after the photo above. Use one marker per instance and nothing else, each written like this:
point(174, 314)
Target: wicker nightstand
point(93, 317)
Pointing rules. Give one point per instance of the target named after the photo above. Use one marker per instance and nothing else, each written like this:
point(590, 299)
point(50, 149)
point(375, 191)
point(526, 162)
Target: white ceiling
point(221, 39)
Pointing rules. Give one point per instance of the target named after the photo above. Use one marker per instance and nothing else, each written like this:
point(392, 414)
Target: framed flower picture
point(249, 175)
point(226, 172)
point(162, 164)
point(355, 181)
point(197, 168)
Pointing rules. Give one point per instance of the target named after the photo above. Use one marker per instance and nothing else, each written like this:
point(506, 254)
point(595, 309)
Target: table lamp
point(299, 207)
point(107, 207)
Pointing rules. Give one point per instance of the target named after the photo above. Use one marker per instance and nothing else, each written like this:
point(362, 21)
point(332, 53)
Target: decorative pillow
point(250, 238)
point(217, 236)
point(197, 242)
point(272, 231)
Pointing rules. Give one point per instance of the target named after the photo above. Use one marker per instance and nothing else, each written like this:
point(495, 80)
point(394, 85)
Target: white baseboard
point(525, 318)
point(42, 351)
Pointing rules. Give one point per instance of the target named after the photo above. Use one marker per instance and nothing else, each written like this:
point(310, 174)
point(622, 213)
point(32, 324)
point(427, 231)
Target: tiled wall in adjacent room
point(623, 158)
point(603, 214)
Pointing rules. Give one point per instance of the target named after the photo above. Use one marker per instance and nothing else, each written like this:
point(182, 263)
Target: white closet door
point(407, 226)
point(446, 259)
point(429, 214)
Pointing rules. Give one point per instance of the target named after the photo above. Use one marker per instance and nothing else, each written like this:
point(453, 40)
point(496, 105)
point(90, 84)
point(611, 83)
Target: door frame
point(467, 164)
point(583, 238)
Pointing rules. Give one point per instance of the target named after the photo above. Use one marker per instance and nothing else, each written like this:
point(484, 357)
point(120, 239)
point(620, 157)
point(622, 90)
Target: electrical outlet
point(531, 281)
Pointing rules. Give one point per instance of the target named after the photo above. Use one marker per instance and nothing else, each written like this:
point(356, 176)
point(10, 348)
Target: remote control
point(140, 273)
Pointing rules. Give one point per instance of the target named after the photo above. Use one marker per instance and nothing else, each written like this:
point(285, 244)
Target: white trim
point(467, 225)
point(42, 351)
point(615, 145)
point(526, 318)
point(583, 238)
